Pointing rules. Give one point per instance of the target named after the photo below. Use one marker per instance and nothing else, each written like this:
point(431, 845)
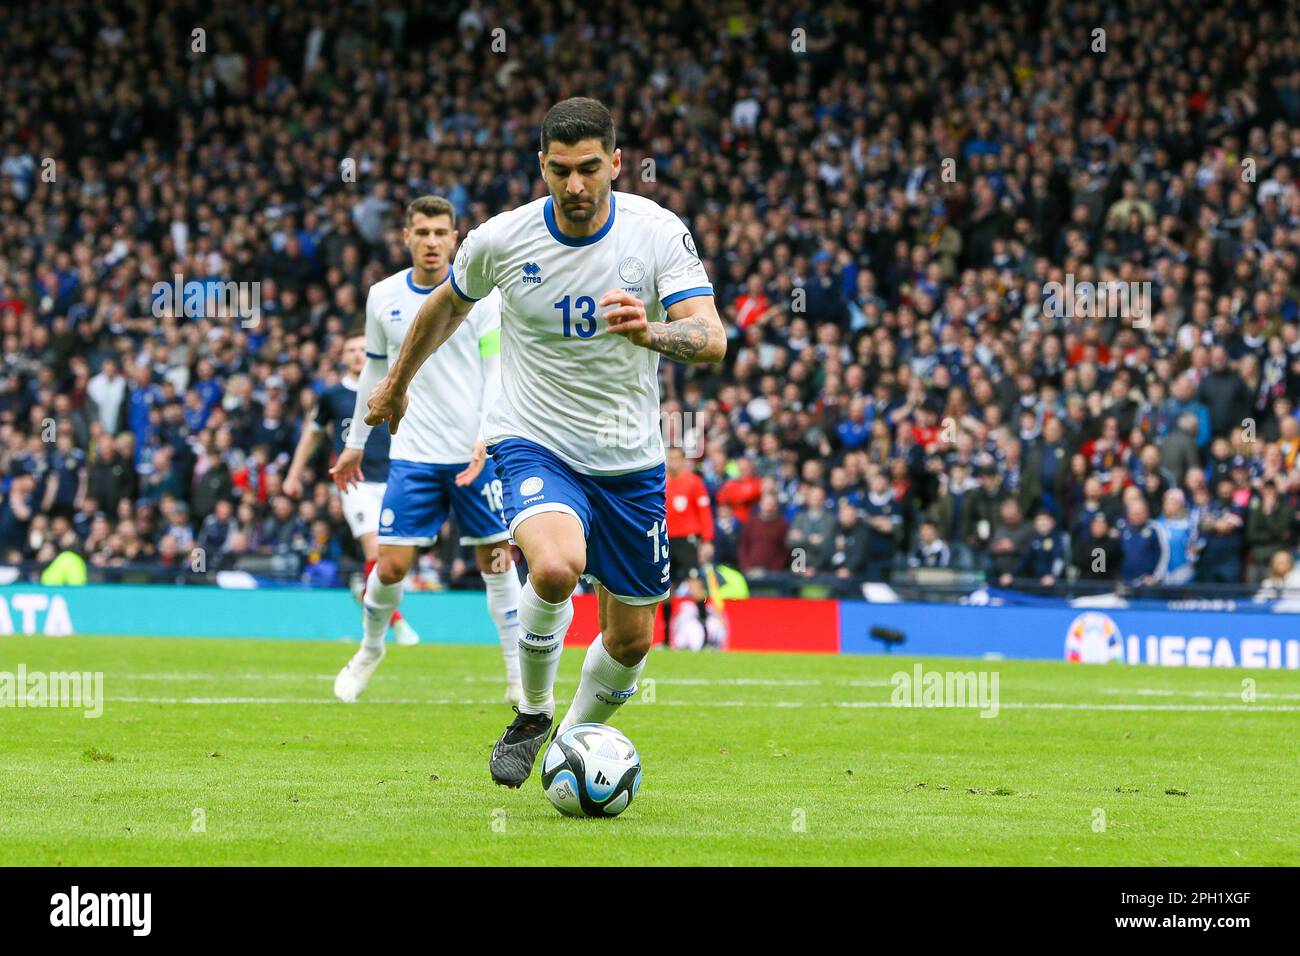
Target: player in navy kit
point(363, 500)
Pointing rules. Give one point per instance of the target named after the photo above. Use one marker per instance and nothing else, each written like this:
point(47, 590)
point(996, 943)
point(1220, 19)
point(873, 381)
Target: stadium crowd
point(882, 197)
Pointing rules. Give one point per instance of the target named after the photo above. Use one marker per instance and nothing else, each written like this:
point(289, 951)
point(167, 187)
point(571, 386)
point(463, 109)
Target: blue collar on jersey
point(419, 288)
point(548, 213)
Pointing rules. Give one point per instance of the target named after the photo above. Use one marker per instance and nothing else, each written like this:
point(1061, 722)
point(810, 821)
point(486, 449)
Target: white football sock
point(379, 601)
point(503, 608)
point(605, 686)
point(541, 637)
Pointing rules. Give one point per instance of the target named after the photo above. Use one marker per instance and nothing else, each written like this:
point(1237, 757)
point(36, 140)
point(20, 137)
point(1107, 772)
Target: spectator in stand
point(1181, 537)
point(1184, 401)
point(1046, 558)
point(740, 493)
point(762, 539)
point(284, 532)
point(1011, 539)
point(107, 391)
point(16, 513)
point(812, 534)
point(1283, 581)
point(726, 537)
point(1222, 527)
point(1097, 555)
point(752, 306)
point(1224, 393)
point(849, 559)
point(65, 476)
point(884, 519)
point(1144, 552)
point(1047, 466)
point(1268, 530)
point(216, 530)
point(948, 511)
point(112, 476)
point(981, 515)
point(1178, 453)
point(931, 551)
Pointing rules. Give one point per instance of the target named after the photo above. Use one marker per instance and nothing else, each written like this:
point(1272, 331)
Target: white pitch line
point(730, 681)
point(1165, 692)
point(490, 679)
point(198, 676)
point(788, 704)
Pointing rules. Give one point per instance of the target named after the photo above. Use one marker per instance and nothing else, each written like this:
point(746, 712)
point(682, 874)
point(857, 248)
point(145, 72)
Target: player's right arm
point(440, 315)
point(693, 332)
point(308, 442)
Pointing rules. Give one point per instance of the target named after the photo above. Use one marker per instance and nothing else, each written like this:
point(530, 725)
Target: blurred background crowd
point(881, 194)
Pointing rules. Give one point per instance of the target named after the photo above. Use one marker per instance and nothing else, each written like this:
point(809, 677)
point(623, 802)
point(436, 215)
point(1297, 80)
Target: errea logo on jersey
point(532, 273)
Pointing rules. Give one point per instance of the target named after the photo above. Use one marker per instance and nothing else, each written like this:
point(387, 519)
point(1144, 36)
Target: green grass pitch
point(234, 752)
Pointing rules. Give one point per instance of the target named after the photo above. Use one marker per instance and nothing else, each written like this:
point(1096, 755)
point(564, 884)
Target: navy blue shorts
point(420, 496)
point(623, 517)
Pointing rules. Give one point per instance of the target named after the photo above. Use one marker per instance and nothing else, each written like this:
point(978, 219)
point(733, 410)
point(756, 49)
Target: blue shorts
point(623, 517)
point(420, 496)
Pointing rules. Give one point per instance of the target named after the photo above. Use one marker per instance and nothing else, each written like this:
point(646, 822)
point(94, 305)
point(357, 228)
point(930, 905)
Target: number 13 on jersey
point(583, 324)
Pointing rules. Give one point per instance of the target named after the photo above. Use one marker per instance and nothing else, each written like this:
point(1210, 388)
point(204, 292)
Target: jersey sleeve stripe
point(456, 288)
point(675, 297)
point(374, 356)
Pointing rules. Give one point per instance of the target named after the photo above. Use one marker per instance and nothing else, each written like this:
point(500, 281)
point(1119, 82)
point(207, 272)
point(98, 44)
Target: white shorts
point(361, 505)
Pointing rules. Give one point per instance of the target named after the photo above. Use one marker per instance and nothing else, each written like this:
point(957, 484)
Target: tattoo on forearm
point(683, 339)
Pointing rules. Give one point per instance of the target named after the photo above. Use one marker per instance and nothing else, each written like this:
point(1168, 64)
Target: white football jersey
point(587, 396)
point(449, 393)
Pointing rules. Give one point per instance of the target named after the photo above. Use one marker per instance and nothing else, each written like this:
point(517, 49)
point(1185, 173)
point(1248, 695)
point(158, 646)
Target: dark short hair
point(431, 206)
point(575, 119)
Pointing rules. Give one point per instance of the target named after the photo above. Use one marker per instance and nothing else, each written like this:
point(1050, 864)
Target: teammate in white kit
point(595, 286)
point(439, 462)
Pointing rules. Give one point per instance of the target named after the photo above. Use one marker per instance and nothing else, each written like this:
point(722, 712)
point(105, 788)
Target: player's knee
point(554, 576)
point(628, 649)
point(393, 567)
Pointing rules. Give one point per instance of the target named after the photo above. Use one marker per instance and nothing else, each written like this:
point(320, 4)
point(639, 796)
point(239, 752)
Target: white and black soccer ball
point(591, 770)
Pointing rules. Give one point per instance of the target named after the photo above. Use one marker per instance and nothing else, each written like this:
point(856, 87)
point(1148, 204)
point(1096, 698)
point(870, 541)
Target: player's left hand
point(476, 459)
point(628, 318)
point(347, 470)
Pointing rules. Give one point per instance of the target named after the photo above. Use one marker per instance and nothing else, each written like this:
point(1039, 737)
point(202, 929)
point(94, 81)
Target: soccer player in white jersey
point(439, 463)
point(362, 501)
point(595, 286)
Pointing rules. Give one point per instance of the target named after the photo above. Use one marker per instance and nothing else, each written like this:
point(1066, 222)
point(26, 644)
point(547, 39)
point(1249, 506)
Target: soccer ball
point(591, 770)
